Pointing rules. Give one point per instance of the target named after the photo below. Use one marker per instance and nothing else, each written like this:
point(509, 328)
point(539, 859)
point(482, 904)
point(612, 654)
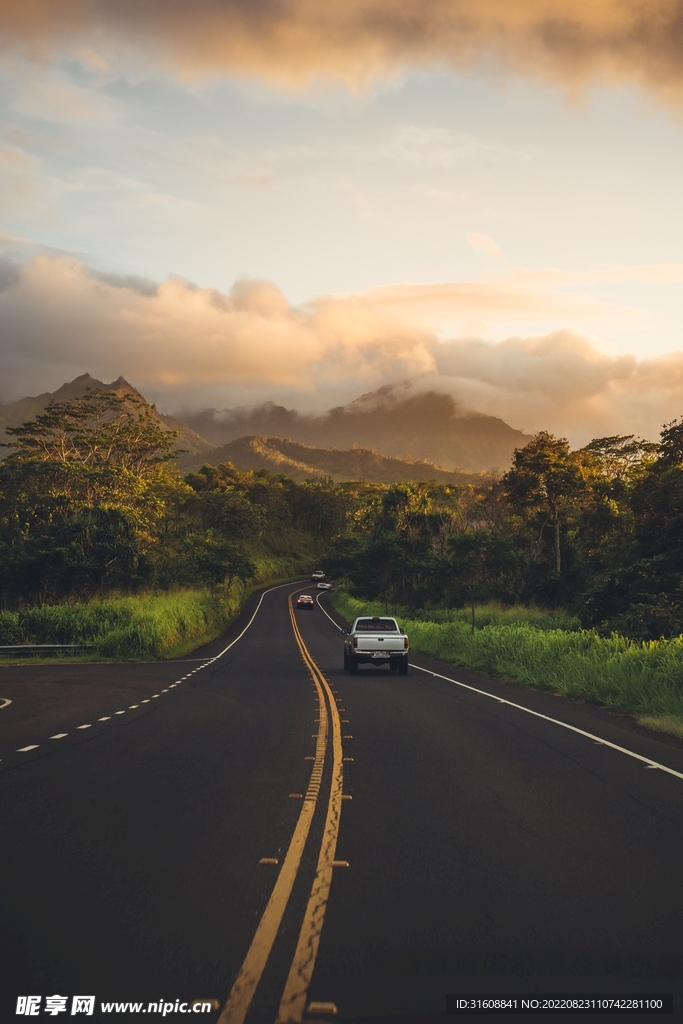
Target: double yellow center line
point(293, 1001)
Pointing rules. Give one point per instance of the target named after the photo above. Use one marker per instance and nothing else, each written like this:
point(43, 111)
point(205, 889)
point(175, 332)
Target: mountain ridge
point(389, 435)
point(392, 421)
point(306, 462)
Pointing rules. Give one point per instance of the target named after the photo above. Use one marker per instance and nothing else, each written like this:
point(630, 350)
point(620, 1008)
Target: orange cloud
point(198, 346)
point(519, 295)
point(484, 245)
point(292, 41)
point(175, 335)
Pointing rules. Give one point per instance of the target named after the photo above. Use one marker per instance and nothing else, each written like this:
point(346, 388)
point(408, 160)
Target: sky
point(230, 202)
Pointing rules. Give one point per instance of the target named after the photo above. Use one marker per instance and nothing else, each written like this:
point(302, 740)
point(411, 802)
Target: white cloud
point(189, 345)
point(484, 245)
point(177, 336)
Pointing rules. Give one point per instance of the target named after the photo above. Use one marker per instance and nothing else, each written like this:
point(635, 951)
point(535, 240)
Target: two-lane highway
point(275, 834)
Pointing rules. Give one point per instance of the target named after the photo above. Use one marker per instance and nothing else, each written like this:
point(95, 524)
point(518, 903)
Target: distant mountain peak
point(394, 420)
point(195, 448)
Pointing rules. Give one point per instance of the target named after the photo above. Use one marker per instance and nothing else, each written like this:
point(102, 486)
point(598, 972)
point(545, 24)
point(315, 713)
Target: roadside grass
point(491, 614)
point(639, 678)
point(140, 627)
point(665, 723)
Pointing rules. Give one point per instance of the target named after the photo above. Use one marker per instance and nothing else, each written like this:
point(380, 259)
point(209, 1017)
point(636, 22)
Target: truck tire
point(403, 667)
point(353, 665)
point(346, 660)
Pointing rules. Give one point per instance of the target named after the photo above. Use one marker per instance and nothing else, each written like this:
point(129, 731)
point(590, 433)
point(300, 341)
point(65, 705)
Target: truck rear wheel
point(346, 660)
point(403, 667)
point(353, 665)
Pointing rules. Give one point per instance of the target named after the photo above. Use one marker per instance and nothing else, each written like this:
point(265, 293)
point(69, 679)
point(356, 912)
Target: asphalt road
point(488, 849)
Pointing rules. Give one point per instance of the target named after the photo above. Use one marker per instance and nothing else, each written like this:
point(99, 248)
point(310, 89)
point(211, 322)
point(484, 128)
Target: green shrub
point(150, 626)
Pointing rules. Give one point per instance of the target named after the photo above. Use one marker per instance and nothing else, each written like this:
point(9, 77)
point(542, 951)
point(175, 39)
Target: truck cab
point(376, 640)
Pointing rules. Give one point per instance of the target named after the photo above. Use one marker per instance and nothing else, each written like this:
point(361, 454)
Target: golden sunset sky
point(228, 201)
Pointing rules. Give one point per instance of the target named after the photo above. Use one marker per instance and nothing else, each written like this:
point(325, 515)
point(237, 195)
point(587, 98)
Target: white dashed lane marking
point(4, 701)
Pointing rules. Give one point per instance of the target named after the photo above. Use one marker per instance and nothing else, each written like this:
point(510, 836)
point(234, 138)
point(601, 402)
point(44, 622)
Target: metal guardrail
point(10, 648)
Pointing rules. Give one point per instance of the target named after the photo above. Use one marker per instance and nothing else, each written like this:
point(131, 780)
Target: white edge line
point(520, 707)
point(537, 714)
point(292, 583)
point(335, 624)
point(208, 661)
point(5, 702)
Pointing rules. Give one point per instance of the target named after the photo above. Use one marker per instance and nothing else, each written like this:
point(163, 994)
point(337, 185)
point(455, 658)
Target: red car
point(305, 601)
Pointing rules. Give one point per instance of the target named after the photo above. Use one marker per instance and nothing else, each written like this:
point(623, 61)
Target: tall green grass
point(644, 679)
point(486, 615)
point(150, 626)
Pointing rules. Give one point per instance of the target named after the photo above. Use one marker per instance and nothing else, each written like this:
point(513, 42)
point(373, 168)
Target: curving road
point(181, 831)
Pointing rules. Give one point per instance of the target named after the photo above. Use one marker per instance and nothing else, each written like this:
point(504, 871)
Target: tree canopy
point(90, 503)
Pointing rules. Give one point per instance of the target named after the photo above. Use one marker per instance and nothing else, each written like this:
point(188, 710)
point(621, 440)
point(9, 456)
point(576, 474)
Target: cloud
point(563, 381)
point(291, 41)
point(188, 346)
point(17, 179)
point(484, 245)
point(516, 296)
point(57, 317)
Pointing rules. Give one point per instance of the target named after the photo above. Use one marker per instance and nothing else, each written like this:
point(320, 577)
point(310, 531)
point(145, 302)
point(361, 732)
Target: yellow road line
point(242, 993)
point(293, 1002)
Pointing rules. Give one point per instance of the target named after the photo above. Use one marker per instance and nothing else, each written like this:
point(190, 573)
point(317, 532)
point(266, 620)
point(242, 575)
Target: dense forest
point(598, 531)
point(91, 503)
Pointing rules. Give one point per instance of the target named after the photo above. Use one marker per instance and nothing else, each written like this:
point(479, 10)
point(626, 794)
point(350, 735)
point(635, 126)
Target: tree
point(81, 497)
point(101, 430)
point(620, 456)
point(544, 482)
point(481, 567)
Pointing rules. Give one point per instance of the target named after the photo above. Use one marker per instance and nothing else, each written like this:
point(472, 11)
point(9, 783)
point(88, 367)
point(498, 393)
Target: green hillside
point(196, 449)
point(304, 462)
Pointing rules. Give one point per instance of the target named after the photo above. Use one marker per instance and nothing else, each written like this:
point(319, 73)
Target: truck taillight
point(354, 641)
point(405, 643)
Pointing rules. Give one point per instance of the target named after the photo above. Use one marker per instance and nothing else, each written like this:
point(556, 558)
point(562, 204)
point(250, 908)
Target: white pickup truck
point(378, 641)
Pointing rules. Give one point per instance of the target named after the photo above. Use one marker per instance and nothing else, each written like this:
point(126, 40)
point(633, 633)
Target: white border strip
point(335, 624)
point(537, 714)
point(210, 661)
point(556, 721)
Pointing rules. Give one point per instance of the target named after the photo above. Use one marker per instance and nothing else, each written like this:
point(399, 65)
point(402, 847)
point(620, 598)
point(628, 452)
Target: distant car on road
point(318, 575)
point(324, 586)
point(305, 601)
